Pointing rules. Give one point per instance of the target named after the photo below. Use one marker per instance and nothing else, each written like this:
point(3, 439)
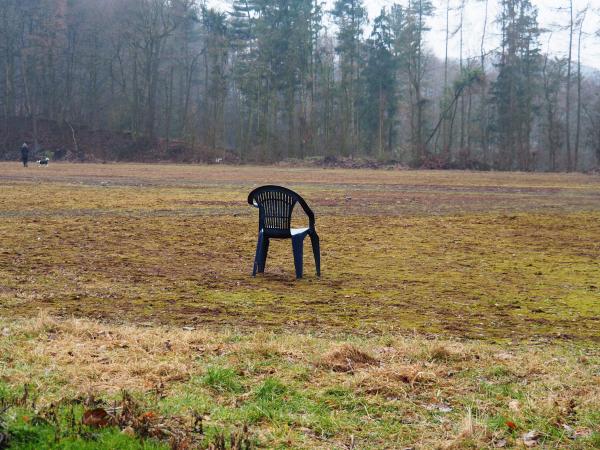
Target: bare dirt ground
point(492, 255)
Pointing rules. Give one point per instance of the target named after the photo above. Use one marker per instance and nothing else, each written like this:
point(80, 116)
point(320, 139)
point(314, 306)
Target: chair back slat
point(276, 204)
point(276, 209)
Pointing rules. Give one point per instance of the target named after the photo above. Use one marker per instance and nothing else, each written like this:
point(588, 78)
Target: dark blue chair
point(275, 205)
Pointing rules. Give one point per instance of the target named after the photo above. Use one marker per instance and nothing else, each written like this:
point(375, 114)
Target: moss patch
point(495, 256)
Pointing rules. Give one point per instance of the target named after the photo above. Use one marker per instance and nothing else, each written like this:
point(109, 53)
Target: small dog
point(44, 161)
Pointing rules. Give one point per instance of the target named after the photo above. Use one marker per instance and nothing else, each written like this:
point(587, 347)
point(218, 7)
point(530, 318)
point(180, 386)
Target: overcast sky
point(550, 17)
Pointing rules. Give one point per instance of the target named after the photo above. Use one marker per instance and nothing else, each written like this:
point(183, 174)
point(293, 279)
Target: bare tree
point(581, 19)
point(569, 82)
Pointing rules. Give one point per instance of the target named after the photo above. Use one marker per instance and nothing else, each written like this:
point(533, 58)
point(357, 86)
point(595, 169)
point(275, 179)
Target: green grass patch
point(222, 379)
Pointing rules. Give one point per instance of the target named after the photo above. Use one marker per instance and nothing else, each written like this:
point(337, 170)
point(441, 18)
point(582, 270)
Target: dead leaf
point(97, 418)
point(569, 429)
point(582, 433)
point(530, 439)
point(500, 443)
point(148, 416)
point(503, 356)
point(129, 431)
point(514, 405)
point(577, 433)
point(441, 407)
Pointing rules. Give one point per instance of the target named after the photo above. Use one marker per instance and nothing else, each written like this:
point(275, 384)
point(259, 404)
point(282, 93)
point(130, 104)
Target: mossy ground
point(469, 291)
point(460, 254)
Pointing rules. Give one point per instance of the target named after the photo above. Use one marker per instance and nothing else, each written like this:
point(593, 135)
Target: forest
point(264, 81)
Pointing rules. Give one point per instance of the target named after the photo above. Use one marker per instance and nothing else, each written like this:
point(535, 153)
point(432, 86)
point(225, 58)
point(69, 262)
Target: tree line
point(274, 79)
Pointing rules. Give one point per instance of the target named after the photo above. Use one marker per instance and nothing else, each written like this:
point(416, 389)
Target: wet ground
point(484, 255)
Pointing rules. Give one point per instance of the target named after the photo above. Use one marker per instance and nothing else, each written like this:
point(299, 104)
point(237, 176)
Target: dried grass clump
point(448, 353)
point(97, 357)
point(471, 434)
point(347, 358)
point(394, 381)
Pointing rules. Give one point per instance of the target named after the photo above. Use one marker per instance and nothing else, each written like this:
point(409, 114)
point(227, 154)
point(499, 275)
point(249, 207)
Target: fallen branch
point(74, 138)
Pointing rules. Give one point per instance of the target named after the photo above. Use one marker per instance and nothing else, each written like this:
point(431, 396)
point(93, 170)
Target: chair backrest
point(275, 204)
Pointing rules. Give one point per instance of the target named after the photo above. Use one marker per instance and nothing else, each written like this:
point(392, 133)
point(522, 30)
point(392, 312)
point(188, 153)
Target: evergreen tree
point(553, 76)
point(379, 103)
point(414, 61)
point(215, 77)
point(350, 16)
point(517, 83)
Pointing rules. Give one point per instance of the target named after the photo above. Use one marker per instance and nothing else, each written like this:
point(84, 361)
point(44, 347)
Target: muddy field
point(493, 255)
point(456, 310)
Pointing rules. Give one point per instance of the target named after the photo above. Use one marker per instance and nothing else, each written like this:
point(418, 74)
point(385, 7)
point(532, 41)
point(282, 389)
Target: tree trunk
point(31, 107)
point(579, 78)
point(153, 66)
point(568, 105)
point(462, 99)
point(445, 143)
point(482, 100)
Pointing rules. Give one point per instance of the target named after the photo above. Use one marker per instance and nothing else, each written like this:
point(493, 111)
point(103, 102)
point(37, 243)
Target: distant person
point(24, 154)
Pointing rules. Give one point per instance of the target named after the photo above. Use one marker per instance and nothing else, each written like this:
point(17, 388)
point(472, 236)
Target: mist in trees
point(267, 80)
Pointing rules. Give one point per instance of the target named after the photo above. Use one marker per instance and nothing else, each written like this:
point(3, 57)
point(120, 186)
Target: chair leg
point(314, 239)
point(297, 248)
point(263, 259)
point(259, 251)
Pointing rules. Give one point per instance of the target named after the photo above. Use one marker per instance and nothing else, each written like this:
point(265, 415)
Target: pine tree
point(350, 16)
point(379, 103)
point(553, 76)
point(414, 57)
point(517, 82)
point(215, 77)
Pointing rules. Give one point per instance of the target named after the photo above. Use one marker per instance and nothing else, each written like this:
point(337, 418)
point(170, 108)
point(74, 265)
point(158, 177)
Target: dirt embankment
point(67, 141)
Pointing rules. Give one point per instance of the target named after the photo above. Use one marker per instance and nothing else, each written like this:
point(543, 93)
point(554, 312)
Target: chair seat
point(286, 234)
point(296, 231)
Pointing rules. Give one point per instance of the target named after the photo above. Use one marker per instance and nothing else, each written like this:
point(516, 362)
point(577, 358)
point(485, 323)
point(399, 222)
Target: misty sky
point(549, 17)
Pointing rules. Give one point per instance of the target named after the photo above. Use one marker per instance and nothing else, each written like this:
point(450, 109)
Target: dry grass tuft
point(347, 358)
point(393, 381)
point(471, 434)
point(97, 357)
point(448, 352)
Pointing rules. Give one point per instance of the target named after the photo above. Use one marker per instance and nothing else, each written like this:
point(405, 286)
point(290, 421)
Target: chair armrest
point(308, 212)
